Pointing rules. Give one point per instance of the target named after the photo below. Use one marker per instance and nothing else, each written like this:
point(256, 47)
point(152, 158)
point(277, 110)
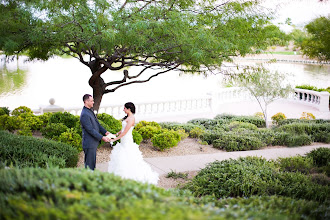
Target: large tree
point(317, 43)
point(157, 35)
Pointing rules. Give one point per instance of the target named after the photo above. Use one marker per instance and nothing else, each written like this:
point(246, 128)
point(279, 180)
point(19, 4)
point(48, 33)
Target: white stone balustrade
point(319, 100)
point(208, 102)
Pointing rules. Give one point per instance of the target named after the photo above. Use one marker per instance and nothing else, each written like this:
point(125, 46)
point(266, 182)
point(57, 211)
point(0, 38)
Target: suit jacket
point(91, 129)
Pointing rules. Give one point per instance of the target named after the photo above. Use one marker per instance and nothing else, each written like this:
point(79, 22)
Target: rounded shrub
point(234, 142)
point(149, 131)
point(13, 123)
point(25, 131)
point(307, 115)
point(196, 132)
point(113, 124)
point(237, 125)
point(45, 118)
point(53, 130)
point(165, 139)
point(320, 156)
point(142, 124)
point(71, 137)
point(278, 117)
point(137, 138)
point(32, 121)
point(295, 164)
point(65, 118)
point(249, 176)
point(20, 110)
point(4, 111)
point(298, 140)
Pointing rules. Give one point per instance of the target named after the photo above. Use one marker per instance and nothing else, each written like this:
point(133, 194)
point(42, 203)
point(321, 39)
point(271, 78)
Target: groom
point(91, 132)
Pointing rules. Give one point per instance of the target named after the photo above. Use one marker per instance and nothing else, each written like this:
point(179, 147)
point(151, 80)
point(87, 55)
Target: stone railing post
point(51, 107)
point(324, 101)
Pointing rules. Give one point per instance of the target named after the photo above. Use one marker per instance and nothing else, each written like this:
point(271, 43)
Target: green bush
point(137, 138)
point(3, 121)
point(113, 124)
point(165, 139)
point(149, 131)
point(25, 131)
point(237, 125)
point(233, 142)
point(211, 135)
point(257, 121)
point(142, 124)
point(278, 117)
point(298, 140)
point(65, 118)
point(25, 151)
point(293, 120)
point(32, 121)
point(295, 164)
point(320, 156)
point(196, 132)
point(72, 138)
point(250, 176)
point(12, 123)
point(20, 110)
point(45, 118)
point(4, 111)
point(53, 130)
point(206, 123)
point(177, 126)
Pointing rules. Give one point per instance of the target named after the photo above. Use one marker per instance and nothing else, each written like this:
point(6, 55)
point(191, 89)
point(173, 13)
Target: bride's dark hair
point(131, 106)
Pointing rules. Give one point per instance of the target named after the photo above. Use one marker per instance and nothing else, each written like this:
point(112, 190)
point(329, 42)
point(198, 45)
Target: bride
point(126, 159)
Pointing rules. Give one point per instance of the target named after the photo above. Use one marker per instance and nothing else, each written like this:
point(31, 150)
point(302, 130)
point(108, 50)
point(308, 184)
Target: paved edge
point(164, 165)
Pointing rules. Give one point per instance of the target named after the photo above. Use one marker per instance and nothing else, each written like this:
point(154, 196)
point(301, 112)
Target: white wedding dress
point(126, 160)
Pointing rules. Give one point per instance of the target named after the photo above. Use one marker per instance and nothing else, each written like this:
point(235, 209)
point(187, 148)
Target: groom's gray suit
point(91, 136)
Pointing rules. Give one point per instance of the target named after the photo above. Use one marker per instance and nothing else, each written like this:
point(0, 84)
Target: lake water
point(33, 83)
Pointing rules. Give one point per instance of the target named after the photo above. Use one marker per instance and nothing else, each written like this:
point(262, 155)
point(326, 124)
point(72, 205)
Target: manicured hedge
point(24, 151)
point(80, 194)
point(250, 176)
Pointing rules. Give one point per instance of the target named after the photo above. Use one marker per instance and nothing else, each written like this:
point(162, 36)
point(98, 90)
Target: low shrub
point(165, 139)
point(298, 140)
point(21, 110)
point(24, 131)
point(4, 111)
point(25, 151)
point(142, 124)
point(137, 138)
point(237, 125)
point(211, 135)
point(294, 120)
point(259, 115)
point(33, 122)
point(249, 176)
point(196, 132)
point(11, 123)
point(77, 193)
point(45, 118)
point(176, 126)
point(206, 123)
point(320, 156)
point(234, 142)
point(307, 115)
point(113, 124)
point(72, 138)
point(295, 164)
point(149, 131)
point(65, 118)
point(53, 130)
point(278, 117)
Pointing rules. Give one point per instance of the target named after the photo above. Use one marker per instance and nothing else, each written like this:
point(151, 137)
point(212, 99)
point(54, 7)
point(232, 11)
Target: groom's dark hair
point(86, 96)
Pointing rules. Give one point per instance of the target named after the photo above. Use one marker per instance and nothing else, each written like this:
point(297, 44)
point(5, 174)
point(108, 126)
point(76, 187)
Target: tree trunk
point(97, 84)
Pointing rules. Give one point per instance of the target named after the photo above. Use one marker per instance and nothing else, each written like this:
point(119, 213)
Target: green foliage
point(68, 193)
point(4, 110)
point(237, 125)
point(176, 126)
point(165, 139)
point(20, 110)
point(233, 142)
point(65, 118)
point(142, 124)
point(224, 118)
point(320, 156)
point(196, 132)
point(22, 151)
point(11, 123)
point(314, 88)
point(72, 138)
point(33, 122)
point(53, 130)
point(317, 45)
point(294, 120)
point(25, 131)
point(177, 175)
point(137, 138)
point(264, 85)
point(113, 124)
point(278, 117)
point(307, 115)
point(251, 176)
point(295, 164)
point(149, 131)
point(45, 118)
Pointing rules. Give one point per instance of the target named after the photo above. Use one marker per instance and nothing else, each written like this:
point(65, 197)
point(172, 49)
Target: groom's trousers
point(90, 158)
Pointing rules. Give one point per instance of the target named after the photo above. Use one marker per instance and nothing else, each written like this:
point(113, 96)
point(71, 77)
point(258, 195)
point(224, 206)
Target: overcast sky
point(301, 12)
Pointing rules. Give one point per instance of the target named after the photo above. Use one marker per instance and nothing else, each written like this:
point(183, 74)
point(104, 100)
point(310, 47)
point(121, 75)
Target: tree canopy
point(317, 43)
point(157, 35)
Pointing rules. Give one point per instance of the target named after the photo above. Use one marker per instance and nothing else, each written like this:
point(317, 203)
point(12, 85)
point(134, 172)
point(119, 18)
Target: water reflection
point(11, 81)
